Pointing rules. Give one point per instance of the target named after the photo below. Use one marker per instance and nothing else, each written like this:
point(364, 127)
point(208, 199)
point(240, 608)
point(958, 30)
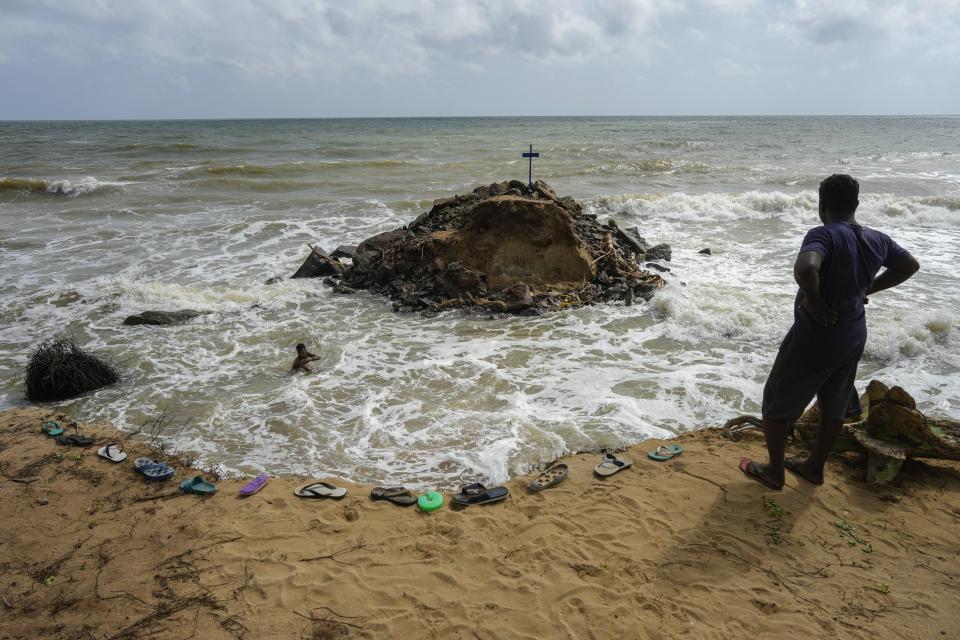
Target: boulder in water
point(660, 252)
point(161, 318)
point(318, 264)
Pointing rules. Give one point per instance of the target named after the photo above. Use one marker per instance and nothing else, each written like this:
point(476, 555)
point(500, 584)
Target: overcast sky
point(321, 58)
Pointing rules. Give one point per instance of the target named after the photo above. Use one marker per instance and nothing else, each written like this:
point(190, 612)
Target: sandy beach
point(683, 549)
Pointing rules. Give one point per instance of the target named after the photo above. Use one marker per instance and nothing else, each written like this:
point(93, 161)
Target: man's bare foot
point(760, 473)
point(799, 467)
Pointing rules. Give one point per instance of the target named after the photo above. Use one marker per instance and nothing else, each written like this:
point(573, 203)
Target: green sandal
point(665, 452)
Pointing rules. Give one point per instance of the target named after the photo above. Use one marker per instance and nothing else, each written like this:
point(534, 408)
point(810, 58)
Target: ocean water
point(102, 219)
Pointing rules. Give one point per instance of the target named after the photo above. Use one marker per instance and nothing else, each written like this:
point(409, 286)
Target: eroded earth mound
point(505, 247)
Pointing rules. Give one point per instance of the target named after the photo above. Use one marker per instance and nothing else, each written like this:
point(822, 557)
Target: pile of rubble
point(505, 248)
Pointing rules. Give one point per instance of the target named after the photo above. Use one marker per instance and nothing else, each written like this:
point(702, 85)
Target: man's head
point(838, 197)
point(301, 348)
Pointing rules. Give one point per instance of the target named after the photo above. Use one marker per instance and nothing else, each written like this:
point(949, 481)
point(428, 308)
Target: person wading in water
point(836, 270)
point(303, 357)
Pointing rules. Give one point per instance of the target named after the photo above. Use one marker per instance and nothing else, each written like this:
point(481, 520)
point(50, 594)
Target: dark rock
point(381, 241)
point(572, 205)
point(518, 297)
point(161, 318)
point(343, 289)
point(611, 223)
point(519, 186)
point(513, 192)
point(660, 252)
point(457, 280)
point(344, 251)
point(273, 280)
point(706, 251)
point(318, 264)
point(632, 238)
point(588, 216)
point(658, 267)
point(542, 188)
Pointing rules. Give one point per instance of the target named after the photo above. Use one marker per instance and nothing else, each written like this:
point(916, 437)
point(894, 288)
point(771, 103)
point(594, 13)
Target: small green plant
point(58, 455)
point(774, 508)
point(883, 588)
point(849, 533)
point(48, 580)
point(774, 532)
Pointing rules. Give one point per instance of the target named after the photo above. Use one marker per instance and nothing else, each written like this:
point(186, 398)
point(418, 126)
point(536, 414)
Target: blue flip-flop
point(197, 484)
point(665, 452)
point(52, 428)
point(153, 470)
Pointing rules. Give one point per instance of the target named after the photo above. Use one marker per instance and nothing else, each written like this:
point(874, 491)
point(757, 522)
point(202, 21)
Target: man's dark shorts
point(802, 370)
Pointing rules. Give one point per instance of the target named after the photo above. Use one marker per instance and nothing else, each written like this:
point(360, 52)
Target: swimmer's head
point(301, 348)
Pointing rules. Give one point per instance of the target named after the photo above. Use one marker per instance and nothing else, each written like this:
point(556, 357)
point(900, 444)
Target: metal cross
point(531, 154)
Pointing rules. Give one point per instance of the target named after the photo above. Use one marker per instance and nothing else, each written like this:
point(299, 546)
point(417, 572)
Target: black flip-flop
point(476, 493)
point(75, 440)
point(749, 469)
point(396, 495)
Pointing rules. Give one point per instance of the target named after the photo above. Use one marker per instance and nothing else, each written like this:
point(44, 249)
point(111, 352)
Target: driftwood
point(890, 430)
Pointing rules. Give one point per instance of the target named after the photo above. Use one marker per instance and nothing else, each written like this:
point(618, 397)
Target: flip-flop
point(665, 452)
point(750, 470)
point(113, 452)
point(197, 484)
point(476, 493)
point(611, 464)
point(793, 466)
point(52, 428)
point(254, 485)
point(552, 476)
point(320, 490)
point(430, 501)
point(396, 495)
point(75, 440)
point(152, 470)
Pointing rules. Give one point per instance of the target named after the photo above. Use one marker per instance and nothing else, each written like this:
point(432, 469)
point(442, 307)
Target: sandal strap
point(473, 489)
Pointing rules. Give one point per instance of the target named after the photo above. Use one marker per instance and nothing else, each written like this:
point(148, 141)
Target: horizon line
point(474, 117)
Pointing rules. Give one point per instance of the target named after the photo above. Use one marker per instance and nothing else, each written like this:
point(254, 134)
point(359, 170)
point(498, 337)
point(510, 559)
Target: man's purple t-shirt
point(852, 256)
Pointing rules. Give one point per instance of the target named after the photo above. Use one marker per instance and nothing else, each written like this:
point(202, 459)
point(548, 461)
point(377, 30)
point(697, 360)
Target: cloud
point(302, 37)
point(892, 23)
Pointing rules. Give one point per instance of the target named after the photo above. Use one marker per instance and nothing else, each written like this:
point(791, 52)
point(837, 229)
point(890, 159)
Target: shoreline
point(687, 548)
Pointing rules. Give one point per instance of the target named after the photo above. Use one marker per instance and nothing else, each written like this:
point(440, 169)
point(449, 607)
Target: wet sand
point(683, 549)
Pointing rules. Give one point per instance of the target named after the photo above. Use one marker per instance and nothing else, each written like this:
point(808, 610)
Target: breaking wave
point(934, 211)
point(64, 187)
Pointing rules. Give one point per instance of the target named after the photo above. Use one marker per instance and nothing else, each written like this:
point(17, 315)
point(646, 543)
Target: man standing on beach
point(836, 269)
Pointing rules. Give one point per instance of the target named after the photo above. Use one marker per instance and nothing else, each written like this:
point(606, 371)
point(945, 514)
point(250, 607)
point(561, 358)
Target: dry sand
point(684, 549)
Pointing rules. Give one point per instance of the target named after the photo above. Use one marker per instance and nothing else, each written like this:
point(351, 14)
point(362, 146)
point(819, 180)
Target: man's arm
point(806, 271)
point(898, 271)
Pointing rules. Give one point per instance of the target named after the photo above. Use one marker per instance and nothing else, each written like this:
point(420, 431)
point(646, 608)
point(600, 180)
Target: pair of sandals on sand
point(611, 464)
point(153, 470)
point(54, 429)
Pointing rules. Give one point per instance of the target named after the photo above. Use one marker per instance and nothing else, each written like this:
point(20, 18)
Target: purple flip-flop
point(254, 485)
